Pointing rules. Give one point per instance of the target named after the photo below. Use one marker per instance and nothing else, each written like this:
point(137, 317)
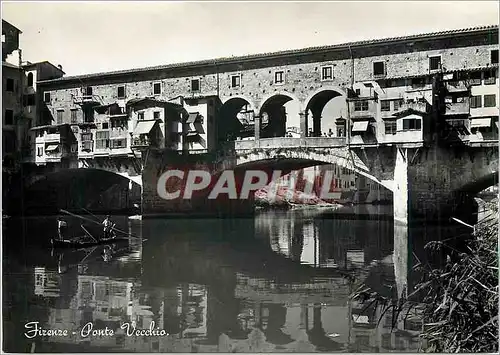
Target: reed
point(459, 300)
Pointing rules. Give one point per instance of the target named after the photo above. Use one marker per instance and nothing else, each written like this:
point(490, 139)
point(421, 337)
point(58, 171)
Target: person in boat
point(61, 228)
point(108, 227)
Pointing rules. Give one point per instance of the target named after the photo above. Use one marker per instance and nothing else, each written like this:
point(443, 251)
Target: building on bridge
point(389, 91)
point(420, 95)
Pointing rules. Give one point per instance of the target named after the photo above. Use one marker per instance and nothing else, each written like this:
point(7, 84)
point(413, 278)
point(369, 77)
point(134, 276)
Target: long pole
point(91, 220)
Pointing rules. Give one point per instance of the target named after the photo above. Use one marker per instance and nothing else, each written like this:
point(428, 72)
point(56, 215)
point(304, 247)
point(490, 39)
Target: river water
point(277, 283)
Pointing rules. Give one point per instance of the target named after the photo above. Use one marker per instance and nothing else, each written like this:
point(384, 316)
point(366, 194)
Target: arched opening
point(30, 79)
point(279, 116)
point(97, 191)
point(326, 114)
point(236, 120)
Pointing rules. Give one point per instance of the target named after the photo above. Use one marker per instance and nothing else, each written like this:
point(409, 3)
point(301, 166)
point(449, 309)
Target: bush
point(460, 299)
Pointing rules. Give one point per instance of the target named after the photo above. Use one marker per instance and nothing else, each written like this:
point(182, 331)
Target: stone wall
point(302, 73)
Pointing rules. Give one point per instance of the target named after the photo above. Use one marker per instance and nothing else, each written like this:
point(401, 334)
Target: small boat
point(85, 244)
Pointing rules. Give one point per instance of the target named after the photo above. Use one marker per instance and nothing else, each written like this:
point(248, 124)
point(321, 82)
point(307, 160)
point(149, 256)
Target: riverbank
point(457, 297)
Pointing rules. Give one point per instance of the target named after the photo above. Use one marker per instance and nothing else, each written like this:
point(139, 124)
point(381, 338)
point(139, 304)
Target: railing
point(118, 133)
point(475, 81)
point(49, 137)
point(86, 99)
point(457, 108)
point(417, 106)
point(456, 86)
point(141, 142)
point(490, 81)
point(283, 142)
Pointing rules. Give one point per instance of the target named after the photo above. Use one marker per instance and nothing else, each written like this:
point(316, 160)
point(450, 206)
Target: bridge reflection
point(286, 290)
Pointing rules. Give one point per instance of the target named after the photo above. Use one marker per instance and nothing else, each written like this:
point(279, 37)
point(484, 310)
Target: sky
point(89, 37)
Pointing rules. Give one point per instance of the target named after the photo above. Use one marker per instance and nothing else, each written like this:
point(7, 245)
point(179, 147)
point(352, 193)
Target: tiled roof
point(226, 60)
point(31, 65)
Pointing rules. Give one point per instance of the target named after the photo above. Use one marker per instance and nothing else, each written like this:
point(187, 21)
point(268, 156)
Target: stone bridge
point(428, 182)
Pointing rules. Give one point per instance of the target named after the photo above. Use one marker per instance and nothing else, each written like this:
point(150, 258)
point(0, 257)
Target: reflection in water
point(278, 283)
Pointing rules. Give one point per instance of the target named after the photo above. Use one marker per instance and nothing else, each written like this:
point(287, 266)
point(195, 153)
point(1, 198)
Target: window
point(279, 77)
point(88, 115)
point(88, 91)
point(398, 104)
point(235, 81)
point(39, 151)
point(121, 92)
point(476, 101)
point(327, 73)
point(9, 117)
point(489, 77)
point(195, 85)
point(490, 100)
point(378, 68)
point(30, 79)
point(475, 78)
point(29, 100)
point(411, 124)
point(105, 125)
point(494, 56)
point(435, 63)
point(385, 105)
point(102, 139)
point(417, 83)
point(358, 92)
point(3, 37)
point(9, 85)
point(390, 127)
point(140, 116)
point(86, 137)
point(46, 97)
point(361, 105)
point(156, 88)
point(87, 146)
point(119, 143)
point(156, 115)
point(60, 116)
point(74, 116)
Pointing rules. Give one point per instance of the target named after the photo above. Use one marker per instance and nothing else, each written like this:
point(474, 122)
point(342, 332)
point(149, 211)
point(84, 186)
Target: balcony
point(140, 142)
point(49, 137)
point(456, 86)
point(92, 100)
point(416, 106)
point(457, 108)
point(54, 153)
point(86, 147)
point(119, 133)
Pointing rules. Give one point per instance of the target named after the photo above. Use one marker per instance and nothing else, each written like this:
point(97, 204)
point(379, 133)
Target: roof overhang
point(344, 47)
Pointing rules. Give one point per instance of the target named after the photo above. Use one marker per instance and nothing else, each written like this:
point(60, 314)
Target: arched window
point(30, 79)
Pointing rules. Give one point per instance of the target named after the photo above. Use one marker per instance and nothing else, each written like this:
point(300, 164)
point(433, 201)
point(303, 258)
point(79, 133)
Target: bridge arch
point(314, 107)
point(240, 98)
point(76, 188)
point(327, 88)
point(235, 118)
point(274, 115)
point(295, 159)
